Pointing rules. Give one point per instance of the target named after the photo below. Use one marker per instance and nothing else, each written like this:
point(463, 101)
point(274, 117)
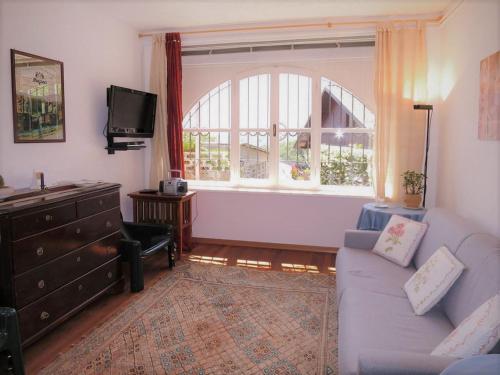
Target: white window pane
point(295, 156)
point(214, 109)
point(206, 156)
point(244, 103)
point(369, 119)
point(283, 100)
point(347, 104)
point(252, 101)
point(263, 102)
point(295, 101)
point(358, 111)
point(346, 158)
point(254, 155)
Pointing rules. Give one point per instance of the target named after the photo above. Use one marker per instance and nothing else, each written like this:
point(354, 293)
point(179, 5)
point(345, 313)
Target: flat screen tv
point(131, 113)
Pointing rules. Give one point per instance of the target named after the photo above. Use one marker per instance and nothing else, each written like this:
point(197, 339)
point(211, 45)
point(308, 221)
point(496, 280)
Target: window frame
point(273, 182)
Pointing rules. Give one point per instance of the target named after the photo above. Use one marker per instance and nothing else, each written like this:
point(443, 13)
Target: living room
point(301, 129)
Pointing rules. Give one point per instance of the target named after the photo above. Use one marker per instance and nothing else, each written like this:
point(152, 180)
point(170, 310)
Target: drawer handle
point(41, 284)
point(108, 224)
point(78, 259)
point(78, 230)
point(39, 251)
point(44, 315)
point(101, 202)
point(49, 217)
point(80, 287)
point(110, 275)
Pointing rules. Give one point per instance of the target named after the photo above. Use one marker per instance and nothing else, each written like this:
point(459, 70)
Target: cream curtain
point(160, 162)
point(400, 82)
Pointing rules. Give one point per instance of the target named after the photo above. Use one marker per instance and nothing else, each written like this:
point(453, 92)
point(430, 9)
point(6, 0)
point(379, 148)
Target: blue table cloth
point(374, 218)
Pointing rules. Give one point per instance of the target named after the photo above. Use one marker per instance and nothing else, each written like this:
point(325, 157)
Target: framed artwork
point(489, 98)
point(37, 98)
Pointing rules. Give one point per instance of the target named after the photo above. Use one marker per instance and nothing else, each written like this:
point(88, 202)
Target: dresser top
point(25, 199)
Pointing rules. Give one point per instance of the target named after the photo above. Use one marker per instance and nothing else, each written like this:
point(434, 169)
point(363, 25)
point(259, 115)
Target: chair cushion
point(431, 282)
point(480, 253)
point(399, 240)
point(476, 335)
point(370, 320)
point(444, 228)
point(365, 270)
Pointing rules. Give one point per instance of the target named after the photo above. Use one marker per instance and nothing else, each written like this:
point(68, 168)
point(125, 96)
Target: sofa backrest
point(480, 253)
point(444, 228)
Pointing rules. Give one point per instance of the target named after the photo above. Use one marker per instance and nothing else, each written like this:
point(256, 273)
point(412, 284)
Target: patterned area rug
point(207, 319)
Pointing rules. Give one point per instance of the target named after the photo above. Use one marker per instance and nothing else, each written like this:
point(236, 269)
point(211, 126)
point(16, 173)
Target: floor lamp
point(428, 108)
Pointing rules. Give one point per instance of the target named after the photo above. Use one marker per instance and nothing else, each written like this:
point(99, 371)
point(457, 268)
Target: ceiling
point(147, 15)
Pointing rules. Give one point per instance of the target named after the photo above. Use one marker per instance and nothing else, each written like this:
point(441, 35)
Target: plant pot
point(413, 200)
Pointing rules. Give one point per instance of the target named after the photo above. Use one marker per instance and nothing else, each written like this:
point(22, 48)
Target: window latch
point(274, 130)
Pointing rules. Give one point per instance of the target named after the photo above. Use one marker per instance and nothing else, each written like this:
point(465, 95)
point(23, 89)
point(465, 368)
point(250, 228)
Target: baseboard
point(265, 245)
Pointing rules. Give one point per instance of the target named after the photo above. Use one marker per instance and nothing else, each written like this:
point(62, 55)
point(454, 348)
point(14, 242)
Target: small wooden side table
point(159, 208)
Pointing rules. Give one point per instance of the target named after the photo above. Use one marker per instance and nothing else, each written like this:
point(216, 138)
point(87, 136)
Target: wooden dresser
point(58, 253)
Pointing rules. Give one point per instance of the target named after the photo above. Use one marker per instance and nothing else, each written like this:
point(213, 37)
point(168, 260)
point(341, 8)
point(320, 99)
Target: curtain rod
point(327, 25)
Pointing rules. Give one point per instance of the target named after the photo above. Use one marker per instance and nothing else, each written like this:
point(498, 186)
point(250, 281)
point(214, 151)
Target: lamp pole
point(428, 108)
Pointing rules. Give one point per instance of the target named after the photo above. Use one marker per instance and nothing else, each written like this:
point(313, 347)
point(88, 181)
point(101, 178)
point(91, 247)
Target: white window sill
point(337, 191)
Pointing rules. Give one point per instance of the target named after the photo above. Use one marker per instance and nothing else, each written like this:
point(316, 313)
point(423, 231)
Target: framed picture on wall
point(37, 98)
point(489, 98)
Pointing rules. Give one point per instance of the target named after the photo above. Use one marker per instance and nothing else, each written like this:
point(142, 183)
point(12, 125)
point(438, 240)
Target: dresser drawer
point(42, 280)
point(44, 312)
point(37, 250)
point(90, 206)
point(26, 225)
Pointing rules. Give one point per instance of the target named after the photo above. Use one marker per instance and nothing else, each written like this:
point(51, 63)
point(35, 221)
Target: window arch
point(264, 132)
point(206, 136)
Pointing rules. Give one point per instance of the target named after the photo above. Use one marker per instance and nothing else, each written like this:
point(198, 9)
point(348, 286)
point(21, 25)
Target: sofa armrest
point(385, 362)
point(361, 239)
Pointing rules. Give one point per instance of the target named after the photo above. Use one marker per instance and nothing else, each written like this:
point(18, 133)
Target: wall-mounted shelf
point(123, 146)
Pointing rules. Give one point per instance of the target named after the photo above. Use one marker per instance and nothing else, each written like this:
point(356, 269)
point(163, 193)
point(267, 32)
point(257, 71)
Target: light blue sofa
point(378, 330)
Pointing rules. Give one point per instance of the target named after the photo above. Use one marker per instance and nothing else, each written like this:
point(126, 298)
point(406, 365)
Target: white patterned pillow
point(477, 334)
point(433, 280)
point(399, 240)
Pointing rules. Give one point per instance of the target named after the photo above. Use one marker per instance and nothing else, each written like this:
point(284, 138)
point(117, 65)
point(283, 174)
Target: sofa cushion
point(444, 228)
point(365, 270)
point(400, 239)
point(370, 320)
point(476, 335)
point(480, 253)
point(431, 282)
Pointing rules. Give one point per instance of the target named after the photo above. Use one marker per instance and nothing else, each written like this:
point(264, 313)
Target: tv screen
point(131, 113)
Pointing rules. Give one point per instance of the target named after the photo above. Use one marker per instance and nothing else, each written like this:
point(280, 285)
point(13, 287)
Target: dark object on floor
point(142, 240)
point(11, 356)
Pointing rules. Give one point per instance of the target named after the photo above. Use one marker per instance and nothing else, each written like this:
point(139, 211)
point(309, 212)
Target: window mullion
point(235, 136)
point(316, 131)
point(274, 139)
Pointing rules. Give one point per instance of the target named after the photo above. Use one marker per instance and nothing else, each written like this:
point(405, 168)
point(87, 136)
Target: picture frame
point(37, 98)
point(489, 98)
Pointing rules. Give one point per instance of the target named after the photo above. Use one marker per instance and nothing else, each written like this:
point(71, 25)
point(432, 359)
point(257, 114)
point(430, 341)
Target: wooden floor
point(62, 338)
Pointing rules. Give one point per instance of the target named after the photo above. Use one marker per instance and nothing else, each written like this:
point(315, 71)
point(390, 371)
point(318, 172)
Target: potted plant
point(413, 183)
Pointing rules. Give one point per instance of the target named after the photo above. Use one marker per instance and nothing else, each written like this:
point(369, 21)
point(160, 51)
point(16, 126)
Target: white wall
point(97, 51)
point(467, 170)
point(278, 217)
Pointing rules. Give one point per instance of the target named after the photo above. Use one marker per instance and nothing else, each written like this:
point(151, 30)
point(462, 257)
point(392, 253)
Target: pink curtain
point(400, 82)
point(174, 101)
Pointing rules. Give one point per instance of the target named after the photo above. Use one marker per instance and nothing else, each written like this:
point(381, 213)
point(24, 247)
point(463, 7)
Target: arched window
point(206, 136)
point(346, 137)
point(275, 138)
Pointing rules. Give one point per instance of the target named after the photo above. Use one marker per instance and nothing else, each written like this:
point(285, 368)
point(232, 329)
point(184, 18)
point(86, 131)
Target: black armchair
point(142, 240)
point(11, 356)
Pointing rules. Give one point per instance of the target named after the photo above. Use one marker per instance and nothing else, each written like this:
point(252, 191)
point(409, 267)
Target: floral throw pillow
point(399, 240)
point(476, 335)
point(433, 280)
